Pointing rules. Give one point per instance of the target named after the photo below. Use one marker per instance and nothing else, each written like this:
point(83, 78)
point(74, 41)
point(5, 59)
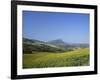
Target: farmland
point(77, 57)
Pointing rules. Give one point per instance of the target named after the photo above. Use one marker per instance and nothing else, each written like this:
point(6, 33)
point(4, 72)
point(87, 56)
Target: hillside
point(61, 44)
point(68, 46)
point(57, 42)
point(78, 57)
point(31, 45)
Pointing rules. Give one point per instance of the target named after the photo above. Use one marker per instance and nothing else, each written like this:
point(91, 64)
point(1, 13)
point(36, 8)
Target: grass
point(78, 57)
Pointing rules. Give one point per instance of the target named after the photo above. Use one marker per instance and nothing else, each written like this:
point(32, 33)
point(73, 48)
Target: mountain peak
point(57, 42)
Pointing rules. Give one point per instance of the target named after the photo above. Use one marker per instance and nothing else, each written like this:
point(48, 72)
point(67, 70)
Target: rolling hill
point(78, 57)
point(57, 53)
point(31, 45)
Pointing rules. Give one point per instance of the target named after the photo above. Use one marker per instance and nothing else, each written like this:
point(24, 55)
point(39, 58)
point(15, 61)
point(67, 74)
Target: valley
point(57, 53)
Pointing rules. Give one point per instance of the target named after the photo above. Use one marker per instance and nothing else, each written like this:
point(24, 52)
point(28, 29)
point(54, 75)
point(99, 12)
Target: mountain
point(31, 45)
point(57, 42)
point(61, 44)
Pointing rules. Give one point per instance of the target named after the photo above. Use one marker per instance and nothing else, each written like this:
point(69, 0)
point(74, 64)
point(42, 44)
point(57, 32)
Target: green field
point(78, 57)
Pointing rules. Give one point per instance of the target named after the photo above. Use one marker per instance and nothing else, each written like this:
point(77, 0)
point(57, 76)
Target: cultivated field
point(78, 57)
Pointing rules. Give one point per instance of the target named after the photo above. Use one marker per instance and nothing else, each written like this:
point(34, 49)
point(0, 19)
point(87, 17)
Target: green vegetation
point(77, 57)
point(57, 53)
point(35, 45)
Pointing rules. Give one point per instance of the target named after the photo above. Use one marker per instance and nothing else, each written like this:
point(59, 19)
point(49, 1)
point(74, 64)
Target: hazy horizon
point(48, 26)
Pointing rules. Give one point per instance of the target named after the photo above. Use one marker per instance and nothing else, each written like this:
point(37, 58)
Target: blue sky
point(46, 26)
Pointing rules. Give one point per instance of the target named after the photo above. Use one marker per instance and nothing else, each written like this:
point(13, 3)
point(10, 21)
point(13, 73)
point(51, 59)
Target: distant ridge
point(57, 42)
point(58, 45)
